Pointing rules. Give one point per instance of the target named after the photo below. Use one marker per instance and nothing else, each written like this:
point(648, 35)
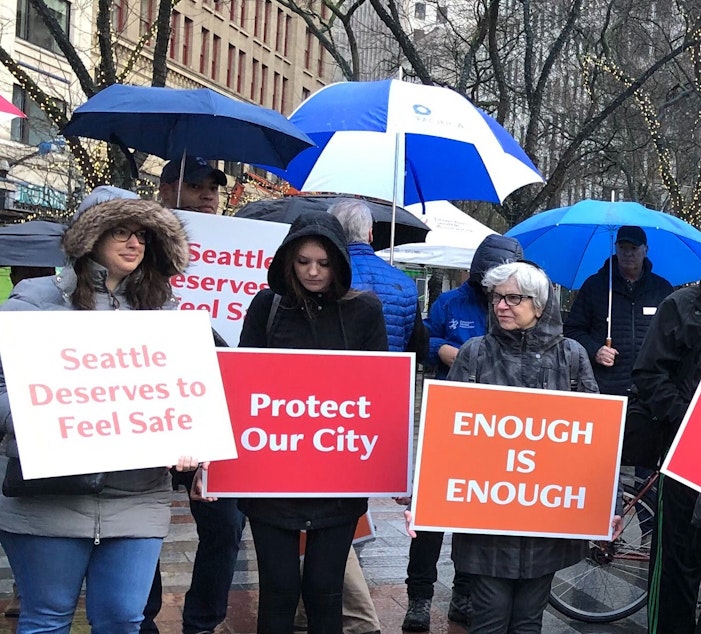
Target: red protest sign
point(682, 460)
point(506, 460)
point(316, 423)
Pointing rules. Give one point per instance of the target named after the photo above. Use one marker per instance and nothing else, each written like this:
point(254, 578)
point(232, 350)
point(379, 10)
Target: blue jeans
point(219, 528)
point(49, 572)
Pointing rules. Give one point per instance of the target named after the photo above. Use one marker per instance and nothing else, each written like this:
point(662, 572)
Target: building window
point(279, 30)
point(277, 104)
point(263, 84)
point(242, 15)
point(37, 127)
point(420, 10)
point(442, 14)
point(254, 79)
point(204, 51)
point(257, 18)
point(305, 93)
point(174, 33)
point(31, 27)
point(288, 27)
point(267, 17)
point(230, 66)
point(241, 78)
point(284, 96)
point(119, 14)
point(187, 41)
point(308, 43)
point(146, 16)
point(216, 50)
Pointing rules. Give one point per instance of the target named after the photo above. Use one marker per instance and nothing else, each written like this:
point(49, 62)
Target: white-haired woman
point(524, 347)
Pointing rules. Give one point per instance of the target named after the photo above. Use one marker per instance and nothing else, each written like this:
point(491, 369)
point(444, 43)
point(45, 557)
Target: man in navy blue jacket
point(635, 294)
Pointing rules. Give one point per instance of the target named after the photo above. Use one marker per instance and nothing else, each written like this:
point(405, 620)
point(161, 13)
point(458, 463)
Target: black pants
point(509, 606)
point(320, 583)
point(422, 572)
point(675, 561)
point(219, 528)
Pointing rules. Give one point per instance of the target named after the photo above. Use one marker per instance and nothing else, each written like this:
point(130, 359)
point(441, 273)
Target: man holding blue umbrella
point(613, 310)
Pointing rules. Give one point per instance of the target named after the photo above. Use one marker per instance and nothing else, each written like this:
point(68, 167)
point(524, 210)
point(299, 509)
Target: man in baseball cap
point(634, 292)
point(199, 190)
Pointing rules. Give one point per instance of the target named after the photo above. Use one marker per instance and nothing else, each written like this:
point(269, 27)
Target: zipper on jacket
point(113, 300)
point(98, 519)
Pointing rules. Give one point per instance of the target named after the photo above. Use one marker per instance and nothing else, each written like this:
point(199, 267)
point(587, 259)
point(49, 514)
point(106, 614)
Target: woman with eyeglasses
point(107, 528)
point(524, 347)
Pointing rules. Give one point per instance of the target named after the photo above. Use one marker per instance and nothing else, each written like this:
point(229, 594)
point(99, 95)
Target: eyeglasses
point(511, 299)
point(122, 234)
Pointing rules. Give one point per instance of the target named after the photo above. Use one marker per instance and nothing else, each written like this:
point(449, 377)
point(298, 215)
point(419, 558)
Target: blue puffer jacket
point(396, 290)
point(455, 317)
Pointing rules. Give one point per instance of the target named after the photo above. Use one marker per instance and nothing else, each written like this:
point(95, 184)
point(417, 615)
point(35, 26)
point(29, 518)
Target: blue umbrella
point(33, 243)
point(407, 143)
point(170, 122)
point(572, 243)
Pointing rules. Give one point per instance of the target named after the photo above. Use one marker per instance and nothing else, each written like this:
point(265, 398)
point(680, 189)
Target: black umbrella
point(33, 243)
point(408, 227)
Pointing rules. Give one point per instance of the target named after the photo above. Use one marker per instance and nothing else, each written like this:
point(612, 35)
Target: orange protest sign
point(506, 460)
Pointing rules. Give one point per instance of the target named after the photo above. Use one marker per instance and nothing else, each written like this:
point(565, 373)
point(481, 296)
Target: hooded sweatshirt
point(315, 321)
point(134, 503)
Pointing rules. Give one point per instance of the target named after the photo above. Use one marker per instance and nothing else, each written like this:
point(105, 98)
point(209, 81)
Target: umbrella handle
point(609, 342)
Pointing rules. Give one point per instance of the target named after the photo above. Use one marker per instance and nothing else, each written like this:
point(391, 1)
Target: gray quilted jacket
point(133, 503)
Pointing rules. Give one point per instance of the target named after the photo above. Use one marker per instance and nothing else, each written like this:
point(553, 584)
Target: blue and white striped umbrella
point(431, 141)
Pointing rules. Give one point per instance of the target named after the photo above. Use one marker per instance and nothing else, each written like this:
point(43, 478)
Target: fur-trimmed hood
point(168, 238)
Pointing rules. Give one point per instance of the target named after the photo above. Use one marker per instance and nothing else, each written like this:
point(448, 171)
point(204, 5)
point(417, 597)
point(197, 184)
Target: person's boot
point(418, 616)
point(460, 609)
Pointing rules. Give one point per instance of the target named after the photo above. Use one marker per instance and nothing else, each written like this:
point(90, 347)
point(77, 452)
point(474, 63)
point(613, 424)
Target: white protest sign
point(94, 391)
point(229, 261)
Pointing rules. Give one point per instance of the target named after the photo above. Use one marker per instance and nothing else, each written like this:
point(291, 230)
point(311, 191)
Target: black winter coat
point(668, 368)
point(354, 322)
point(632, 308)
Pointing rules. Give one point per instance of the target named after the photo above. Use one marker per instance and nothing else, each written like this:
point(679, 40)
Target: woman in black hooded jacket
point(312, 307)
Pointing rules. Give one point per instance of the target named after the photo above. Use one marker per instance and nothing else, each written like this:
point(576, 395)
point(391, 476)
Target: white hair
point(355, 218)
point(530, 279)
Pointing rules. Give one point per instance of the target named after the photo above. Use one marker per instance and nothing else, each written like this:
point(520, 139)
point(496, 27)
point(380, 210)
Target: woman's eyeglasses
point(122, 234)
point(511, 299)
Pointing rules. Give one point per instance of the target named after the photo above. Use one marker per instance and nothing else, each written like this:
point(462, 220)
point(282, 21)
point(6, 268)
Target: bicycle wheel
point(611, 582)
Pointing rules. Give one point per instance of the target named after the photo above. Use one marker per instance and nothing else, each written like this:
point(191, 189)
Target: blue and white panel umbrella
point(407, 143)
